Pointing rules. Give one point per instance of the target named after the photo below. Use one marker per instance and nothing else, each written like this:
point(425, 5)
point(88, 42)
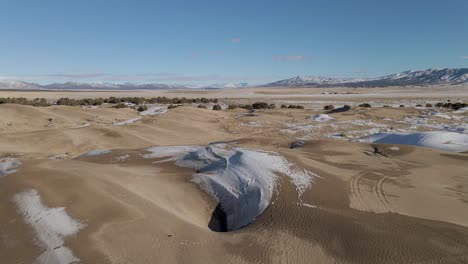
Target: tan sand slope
point(367, 203)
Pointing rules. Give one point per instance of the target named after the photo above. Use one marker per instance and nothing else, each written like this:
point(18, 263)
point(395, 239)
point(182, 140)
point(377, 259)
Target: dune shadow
point(218, 221)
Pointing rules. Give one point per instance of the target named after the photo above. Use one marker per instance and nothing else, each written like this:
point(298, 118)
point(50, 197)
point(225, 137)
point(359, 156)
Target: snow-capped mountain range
point(407, 78)
point(19, 85)
point(415, 77)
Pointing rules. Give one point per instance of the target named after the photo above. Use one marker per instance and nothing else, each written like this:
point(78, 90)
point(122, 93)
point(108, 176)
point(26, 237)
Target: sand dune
point(166, 187)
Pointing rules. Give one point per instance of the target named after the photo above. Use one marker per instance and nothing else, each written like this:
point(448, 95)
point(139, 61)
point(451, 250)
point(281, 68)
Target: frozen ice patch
point(8, 166)
point(51, 226)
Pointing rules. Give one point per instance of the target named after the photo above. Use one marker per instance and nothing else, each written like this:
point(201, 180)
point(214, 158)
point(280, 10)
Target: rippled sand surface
point(76, 187)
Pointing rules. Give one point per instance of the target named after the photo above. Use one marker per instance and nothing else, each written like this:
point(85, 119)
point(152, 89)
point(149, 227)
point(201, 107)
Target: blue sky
point(204, 42)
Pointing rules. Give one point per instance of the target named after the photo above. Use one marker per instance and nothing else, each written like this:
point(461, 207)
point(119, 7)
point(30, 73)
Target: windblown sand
point(77, 187)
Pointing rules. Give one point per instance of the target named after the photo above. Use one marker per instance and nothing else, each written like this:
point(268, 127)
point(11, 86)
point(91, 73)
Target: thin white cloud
point(465, 57)
point(235, 40)
point(290, 58)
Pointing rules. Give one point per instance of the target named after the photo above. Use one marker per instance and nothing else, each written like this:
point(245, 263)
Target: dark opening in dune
point(218, 221)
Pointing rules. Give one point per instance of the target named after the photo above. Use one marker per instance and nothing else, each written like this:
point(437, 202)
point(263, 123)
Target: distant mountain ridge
point(19, 85)
point(407, 78)
point(414, 77)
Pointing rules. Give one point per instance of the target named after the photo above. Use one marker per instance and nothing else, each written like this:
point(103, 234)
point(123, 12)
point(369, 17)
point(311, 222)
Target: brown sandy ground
point(407, 206)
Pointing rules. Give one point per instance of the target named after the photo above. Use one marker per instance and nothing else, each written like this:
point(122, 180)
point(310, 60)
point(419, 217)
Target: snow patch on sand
point(129, 121)
point(321, 118)
point(8, 166)
point(447, 141)
point(241, 180)
point(461, 110)
point(96, 152)
point(82, 125)
point(58, 156)
point(293, 128)
point(307, 205)
point(440, 115)
point(155, 110)
point(51, 225)
point(122, 158)
point(252, 124)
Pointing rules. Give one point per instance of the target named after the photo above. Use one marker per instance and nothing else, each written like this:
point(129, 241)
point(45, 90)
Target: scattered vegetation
point(257, 105)
point(429, 105)
point(260, 105)
point(201, 106)
point(328, 107)
point(296, 107)
point(217, 107)
point(173, 106)
point(142, 108)
point(284, 106)
point(24, 101)
point(248, 107)
point(111, 100)
point(453, 106)
point(366, 105)
point(120, 105)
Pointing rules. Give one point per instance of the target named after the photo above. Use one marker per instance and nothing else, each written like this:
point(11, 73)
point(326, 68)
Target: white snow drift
point(155, 110)
point(241, 180)
point(51, 225)
point(321, 118)
point(96, 152)
point(127, 122)
point(447, 141)
point(461, 110)
point(8, 166)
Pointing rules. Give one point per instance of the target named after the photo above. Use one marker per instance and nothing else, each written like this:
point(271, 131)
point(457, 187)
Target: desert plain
point(97, 184)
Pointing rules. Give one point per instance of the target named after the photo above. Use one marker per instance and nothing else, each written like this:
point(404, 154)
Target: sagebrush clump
point(328, 107)
point(142, 108)
point(365, 105)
